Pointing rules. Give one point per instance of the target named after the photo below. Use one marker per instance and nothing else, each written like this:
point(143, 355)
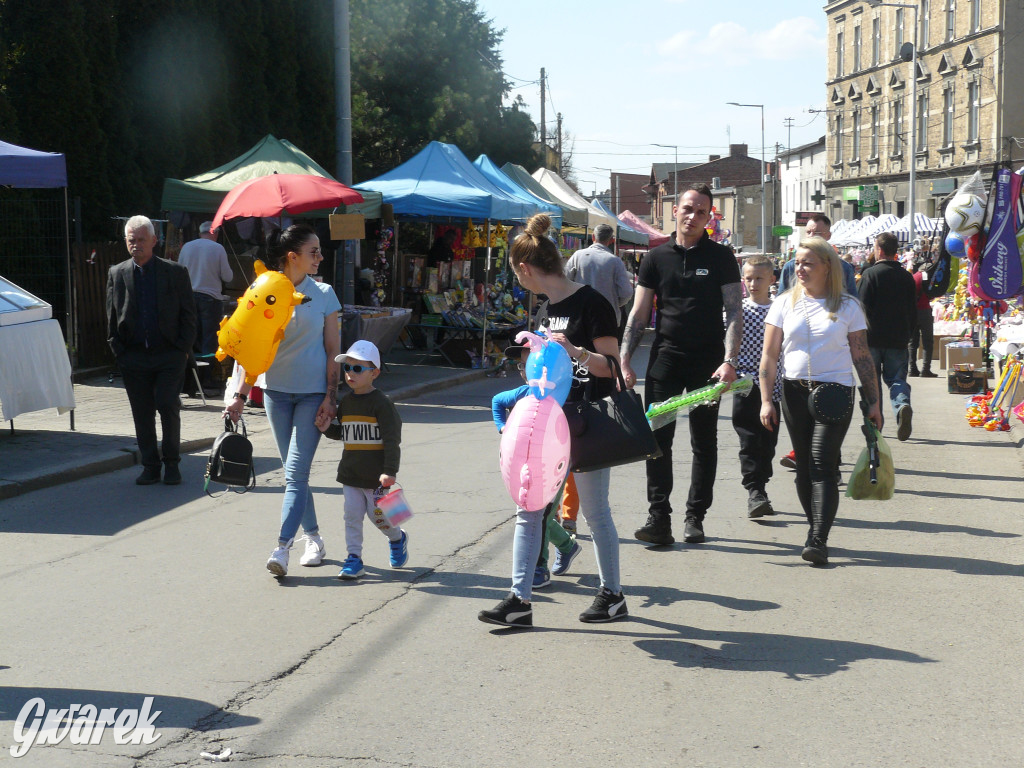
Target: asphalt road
point(904, 652)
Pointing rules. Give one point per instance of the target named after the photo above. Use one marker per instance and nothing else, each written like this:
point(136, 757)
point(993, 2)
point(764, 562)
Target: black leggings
point(817, 447)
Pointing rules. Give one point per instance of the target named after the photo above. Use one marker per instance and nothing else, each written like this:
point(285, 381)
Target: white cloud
point(731, 44)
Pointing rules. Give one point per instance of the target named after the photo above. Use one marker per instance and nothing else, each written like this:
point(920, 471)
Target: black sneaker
point(149, 476)
point(693, 533)
point(657, 531)
point(607, 607)
point(758, 505)
point(927, 374)
point(904, 422)
point(914, 372)
point(510, 612)
point(816, 552)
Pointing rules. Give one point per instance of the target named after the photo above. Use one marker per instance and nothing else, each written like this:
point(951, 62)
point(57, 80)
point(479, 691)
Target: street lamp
point(764, 239)
point(675, 176)
point(913, 110)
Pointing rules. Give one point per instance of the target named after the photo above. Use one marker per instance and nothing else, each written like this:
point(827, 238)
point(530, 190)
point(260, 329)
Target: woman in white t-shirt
point(821, 334)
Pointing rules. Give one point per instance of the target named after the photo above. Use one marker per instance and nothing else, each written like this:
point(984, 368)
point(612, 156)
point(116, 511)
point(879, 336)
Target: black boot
point(913, 370)
point(657, 531)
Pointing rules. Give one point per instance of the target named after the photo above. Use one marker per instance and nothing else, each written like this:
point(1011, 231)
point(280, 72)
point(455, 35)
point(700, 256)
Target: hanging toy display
point(381, 263)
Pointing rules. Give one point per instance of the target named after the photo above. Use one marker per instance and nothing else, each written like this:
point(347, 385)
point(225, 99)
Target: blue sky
point(627, 75)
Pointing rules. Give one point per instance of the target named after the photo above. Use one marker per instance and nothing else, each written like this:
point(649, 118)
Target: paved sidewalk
point(43, 451)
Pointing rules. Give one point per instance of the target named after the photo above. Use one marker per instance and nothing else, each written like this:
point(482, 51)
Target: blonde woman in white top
point(821, 334)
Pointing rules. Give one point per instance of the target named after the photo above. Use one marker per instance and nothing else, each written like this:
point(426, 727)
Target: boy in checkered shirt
point(757, 444)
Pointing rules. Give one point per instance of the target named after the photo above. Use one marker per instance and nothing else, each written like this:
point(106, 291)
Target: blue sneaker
point(541, 578)
point(564, 559)
point(400, 551)
point(352, 568)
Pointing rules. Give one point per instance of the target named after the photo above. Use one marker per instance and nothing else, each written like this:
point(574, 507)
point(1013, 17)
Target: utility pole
point(349, 249)
point(543, 124)
point(789, 137)
point(558, 143)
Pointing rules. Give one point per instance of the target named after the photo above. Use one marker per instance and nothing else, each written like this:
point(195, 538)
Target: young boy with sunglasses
point(369, 425)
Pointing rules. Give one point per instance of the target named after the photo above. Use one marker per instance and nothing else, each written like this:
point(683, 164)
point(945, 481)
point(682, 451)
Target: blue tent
point(486, 166)
point(626, 233)
point(31, 169)
point(441, 183)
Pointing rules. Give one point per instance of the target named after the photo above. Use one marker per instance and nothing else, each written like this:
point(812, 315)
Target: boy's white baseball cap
point(362, 350)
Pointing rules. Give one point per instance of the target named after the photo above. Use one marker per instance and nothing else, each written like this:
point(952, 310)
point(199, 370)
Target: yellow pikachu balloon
point(252, 333)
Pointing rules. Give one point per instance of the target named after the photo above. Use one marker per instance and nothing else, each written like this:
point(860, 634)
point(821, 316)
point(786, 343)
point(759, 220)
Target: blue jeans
point(592, 488)
point(291, 419)
point(891, 367)
point(209, 312)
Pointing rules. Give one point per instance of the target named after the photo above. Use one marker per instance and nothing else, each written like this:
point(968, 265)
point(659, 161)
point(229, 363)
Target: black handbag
point(231, 460)
point(830, 403)
point(609, 432)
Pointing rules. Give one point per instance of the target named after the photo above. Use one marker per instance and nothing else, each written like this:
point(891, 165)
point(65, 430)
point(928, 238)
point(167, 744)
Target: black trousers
point(152, 381)
point(923, 333)
point(757, 444)
point(689, 374)
point(817, 447)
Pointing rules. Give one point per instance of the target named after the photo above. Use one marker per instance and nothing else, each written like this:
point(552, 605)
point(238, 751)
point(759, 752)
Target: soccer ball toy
point(965, 214)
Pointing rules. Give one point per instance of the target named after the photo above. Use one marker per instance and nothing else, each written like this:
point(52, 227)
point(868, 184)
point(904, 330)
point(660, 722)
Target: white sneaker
point(277, 564)
point(315, 551)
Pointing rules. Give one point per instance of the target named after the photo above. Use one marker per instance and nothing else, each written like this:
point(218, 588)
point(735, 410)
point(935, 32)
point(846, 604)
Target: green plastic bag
point(859, 486)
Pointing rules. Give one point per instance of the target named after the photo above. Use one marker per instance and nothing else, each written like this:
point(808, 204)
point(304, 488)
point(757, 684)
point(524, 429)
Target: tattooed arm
point(636, 323)
point(865, 366)
point(732, 297)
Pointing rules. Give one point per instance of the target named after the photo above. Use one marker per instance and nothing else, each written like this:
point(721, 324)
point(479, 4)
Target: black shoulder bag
point(609, 432)
point(231, 460)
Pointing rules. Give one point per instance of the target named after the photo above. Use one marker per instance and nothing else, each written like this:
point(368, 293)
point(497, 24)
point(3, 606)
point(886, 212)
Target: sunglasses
point(357, 368)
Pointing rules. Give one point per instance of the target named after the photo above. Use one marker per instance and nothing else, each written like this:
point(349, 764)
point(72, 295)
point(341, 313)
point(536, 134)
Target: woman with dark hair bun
point(302, 386)
point(585, 324)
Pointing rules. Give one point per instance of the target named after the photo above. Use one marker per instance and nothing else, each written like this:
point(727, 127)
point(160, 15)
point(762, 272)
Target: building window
point(839, 138)
point(856, 48)
point(855, 136)
point(922, 121)
point(975, 15)
point(874, 131)
point(973, 110)
point(925, 20)
point(897, 127)
point(876, 41)
point(839, 54)
point(950, 20)
point(898, 32)
point(947, 117)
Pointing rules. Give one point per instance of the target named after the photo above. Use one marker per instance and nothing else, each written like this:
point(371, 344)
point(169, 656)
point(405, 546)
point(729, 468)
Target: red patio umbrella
point(284, 193)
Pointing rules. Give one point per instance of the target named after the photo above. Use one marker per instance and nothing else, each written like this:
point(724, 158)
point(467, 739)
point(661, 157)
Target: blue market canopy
point(25, 168)
point(486, 166)
point(441, 183)
point(626, 233)
point(571, 216)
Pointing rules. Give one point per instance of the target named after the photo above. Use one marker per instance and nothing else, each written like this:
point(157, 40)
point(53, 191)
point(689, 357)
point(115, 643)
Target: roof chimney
point(737, 150)
point(714, 157)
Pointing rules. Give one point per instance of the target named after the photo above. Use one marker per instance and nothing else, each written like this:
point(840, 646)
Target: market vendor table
point(455, 336)
point(36, 373)
point(382, 331)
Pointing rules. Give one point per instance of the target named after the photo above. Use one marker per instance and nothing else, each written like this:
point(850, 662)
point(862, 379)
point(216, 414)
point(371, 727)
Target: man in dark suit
point(151, 325)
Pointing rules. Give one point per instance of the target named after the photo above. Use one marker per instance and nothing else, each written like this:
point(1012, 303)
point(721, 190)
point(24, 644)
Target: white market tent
point(563, 193)
point(852, 234)
point(882, 224)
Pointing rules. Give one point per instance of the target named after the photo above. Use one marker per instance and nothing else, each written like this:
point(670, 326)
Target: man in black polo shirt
point(693, 279)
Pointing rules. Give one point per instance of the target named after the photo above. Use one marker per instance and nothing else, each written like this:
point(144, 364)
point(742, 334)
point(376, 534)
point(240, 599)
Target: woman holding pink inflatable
point(583, 322)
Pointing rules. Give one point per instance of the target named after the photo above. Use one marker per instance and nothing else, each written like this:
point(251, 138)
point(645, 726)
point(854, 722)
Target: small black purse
point(609, 432)
point(831, 403)
point(231, 460)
